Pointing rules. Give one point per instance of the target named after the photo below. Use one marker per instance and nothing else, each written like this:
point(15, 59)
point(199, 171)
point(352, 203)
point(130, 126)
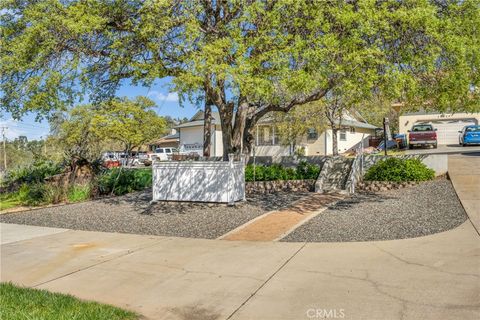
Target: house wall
point(315, 147)
point(218, 152)
point(194, 135)
point(353, 141)
point(191, 136)
point(272, 151)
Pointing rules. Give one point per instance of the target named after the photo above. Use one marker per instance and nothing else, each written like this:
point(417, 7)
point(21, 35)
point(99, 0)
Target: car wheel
point(410, 146)
point(435, 146)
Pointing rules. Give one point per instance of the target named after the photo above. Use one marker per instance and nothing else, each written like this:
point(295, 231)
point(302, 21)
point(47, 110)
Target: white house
point(447, 125)
point(191, 135)
point(354, 133)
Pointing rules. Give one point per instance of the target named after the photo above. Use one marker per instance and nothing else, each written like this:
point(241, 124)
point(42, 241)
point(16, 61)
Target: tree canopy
point(247, 57)
point(130, 122)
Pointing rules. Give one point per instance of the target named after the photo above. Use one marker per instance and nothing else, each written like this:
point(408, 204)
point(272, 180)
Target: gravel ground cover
point(133, 214)
point(424, 209)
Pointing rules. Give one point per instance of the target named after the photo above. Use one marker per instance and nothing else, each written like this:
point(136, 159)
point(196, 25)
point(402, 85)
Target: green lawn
point(23, 303)
point(8, 200)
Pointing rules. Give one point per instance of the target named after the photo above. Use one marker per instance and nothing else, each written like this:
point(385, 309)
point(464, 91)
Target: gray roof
point(198, 119)
point(172, 136)
point(357, 124)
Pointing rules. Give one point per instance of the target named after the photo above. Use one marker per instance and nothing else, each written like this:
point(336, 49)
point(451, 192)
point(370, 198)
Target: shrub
point(121, 181)
point(307, 170)
point(53, 194)
point(274, 172)
point(78, 193)
point(398, 170)
point(35, 173)
point(32, 194)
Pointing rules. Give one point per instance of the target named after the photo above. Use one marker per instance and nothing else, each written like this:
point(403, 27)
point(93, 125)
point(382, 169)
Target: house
point(447, 125)
point(191, 135)
point(169, 141)
point(354, 133)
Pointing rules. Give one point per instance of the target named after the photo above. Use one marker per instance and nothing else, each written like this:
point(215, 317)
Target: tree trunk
point(334, 140)
point(226, 124)
point(207, 129)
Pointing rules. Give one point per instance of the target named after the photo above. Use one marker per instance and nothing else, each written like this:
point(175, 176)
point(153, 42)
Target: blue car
point(469, 135)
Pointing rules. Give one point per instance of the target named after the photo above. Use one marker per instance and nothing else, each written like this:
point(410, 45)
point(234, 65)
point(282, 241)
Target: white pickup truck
point(162, 154)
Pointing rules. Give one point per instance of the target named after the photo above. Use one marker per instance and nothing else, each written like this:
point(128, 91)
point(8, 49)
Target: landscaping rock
point(423, 209)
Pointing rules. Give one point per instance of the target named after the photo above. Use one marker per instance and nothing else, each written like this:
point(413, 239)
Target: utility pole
point(4, 129)
point(386, 133)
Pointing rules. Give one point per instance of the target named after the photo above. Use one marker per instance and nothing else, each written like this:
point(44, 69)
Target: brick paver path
point(276, 224)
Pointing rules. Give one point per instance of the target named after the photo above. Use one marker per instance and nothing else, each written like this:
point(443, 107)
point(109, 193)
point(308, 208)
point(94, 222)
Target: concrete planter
point(280, 185)
point(200, 181)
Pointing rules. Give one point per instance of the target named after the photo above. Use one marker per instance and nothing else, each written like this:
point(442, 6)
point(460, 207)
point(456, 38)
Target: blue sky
point(167, 104)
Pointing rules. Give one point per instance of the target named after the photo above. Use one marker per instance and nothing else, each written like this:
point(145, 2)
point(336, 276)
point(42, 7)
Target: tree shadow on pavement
point(358, 198)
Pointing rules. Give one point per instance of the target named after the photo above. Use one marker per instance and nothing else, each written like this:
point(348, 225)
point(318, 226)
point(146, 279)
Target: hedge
point(399, 170)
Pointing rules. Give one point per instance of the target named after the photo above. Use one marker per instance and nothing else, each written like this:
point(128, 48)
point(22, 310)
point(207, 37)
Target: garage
point(447, 129)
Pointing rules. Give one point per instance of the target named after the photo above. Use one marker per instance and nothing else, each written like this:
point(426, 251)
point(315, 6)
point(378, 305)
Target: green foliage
point(76, 135)
point(26, 303)
point(121, 181)
point(273, 54)
point(34, 173)
point(275, 172)
point(78, 193)
point(398, 169)
point(9, 200)
point(130, 122)
point(53, 194)
point(32, 194)
point(307, 170)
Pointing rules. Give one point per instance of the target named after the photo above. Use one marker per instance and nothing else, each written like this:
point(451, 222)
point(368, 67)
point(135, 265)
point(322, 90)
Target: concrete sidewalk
point(433, 277)
point(464, 171)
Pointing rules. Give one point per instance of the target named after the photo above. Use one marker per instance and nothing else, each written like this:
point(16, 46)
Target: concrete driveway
point(433, 277)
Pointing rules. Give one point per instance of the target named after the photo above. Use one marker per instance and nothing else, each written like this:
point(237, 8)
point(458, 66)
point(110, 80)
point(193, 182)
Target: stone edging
point(264, 187)
point(384, 185)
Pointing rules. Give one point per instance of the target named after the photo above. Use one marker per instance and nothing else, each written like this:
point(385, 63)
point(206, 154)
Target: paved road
point(433, 277)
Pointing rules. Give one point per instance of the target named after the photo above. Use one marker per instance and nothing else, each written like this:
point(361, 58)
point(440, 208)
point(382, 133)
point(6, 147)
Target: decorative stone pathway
point(275, 225)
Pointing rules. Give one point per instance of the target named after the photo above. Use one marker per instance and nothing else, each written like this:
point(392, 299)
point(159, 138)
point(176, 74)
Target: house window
point(312, 134)
point(343, 135)
point(266, 136)
point(352, 129)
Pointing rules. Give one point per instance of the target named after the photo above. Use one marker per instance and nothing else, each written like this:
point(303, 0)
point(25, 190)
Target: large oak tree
point(246, 57)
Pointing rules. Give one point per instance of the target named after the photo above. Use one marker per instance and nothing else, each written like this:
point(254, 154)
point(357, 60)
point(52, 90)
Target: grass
point(25, 303)
point(79, 193)
point(9, 200)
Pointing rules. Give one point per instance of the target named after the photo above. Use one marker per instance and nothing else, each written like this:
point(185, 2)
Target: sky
point(167, 104)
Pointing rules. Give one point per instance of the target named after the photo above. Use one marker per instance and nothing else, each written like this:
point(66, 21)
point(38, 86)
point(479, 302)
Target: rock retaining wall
point(374, 186)
point(280, 185)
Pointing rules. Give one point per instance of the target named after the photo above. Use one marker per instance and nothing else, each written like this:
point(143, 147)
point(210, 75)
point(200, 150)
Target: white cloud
point(162, 97)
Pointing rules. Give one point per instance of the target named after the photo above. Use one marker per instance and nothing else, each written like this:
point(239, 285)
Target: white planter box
point(202, 181)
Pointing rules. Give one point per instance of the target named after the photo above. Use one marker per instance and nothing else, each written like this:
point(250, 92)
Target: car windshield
point(424, 127)
point(473, 129)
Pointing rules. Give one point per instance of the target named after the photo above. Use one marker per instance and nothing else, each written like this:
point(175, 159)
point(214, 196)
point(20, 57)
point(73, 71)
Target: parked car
point(162, 154)
point(469, 135)
point(139, 159)
point(422, 135)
